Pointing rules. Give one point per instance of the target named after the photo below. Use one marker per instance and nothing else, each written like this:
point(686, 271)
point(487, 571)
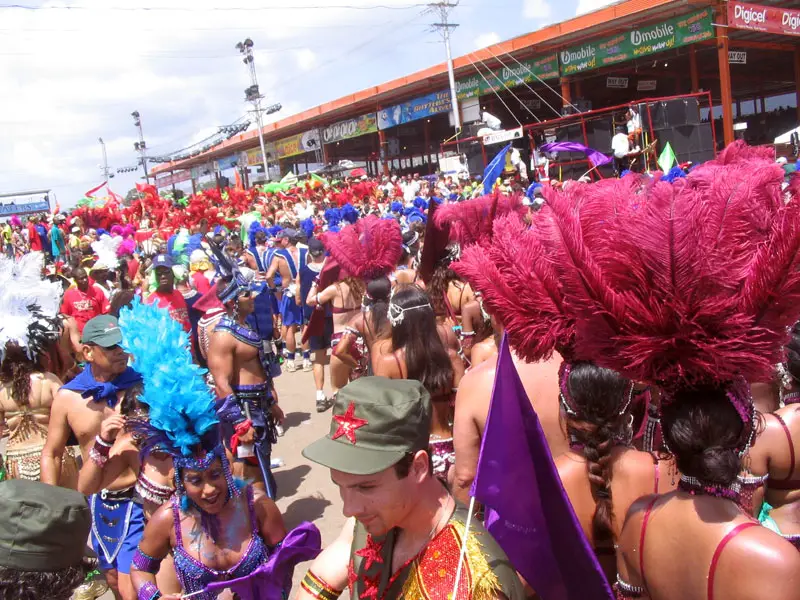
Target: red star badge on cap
point(348, 423)
point(371, 553)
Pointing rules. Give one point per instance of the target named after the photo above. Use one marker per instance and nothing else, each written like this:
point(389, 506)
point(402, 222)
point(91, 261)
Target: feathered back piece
point(367, 250)
point(701, 281)
point(181, 415)
point(28, 304)
point(470, 221)
point(106, 250)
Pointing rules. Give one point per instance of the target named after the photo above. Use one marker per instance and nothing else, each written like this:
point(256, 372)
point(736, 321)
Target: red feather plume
point(470, 221)
point(367, 250)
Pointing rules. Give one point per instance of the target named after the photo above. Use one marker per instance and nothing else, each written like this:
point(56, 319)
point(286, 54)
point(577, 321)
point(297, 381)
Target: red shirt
point(200, 281)
point(83, 306)
point(175, 303)
point(133, 268)
point(33, 238)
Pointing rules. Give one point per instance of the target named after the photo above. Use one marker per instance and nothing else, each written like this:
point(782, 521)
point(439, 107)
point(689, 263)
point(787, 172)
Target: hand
point(248, 437)
point(277, 413)
point(110, 428)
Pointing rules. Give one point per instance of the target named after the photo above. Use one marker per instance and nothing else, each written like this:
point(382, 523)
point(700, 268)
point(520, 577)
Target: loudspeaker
point(599, 134)
point(224, 182)
point(570, 133)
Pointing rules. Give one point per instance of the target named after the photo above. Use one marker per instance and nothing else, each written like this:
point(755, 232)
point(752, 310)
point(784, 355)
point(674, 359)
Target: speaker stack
point(678, 122)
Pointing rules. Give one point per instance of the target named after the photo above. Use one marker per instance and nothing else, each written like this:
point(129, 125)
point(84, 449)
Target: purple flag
point(597, 158)
point(273, 579)
point(527, 510)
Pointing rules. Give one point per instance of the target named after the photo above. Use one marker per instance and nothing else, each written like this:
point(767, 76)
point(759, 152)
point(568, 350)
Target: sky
point(73, 71)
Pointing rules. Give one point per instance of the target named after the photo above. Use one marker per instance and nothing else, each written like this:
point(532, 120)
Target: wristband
point(316, 297)
point(145, 562)
point(102, 442)
point(318, 588)
point(148, 591)
point(98, 458)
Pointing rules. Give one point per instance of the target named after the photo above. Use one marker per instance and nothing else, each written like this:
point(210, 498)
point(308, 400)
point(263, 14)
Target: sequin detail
point(151, 491)
point(194, 576)
point(443, 456)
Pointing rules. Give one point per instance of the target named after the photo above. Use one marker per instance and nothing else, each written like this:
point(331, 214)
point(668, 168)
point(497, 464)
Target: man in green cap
point(43, 531)
point(81, 406)
point(405, 531)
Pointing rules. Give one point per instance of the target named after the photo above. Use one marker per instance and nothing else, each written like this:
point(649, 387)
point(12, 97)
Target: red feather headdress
point(470, 221)
point(367, 250)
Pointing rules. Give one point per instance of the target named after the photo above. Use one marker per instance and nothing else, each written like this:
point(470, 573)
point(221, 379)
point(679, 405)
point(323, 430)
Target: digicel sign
point(783, 21)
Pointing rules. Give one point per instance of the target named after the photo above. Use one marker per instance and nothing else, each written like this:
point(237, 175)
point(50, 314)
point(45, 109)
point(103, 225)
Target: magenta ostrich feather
point(470, 221)
point(703, 273)
point(521, 288)
point(368, 249)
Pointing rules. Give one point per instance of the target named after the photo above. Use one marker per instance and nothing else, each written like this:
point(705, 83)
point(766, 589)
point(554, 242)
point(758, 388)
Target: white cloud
point(71, 76)
point(538, 10)
point(486, 39)
point(586, 6)
point(306, 59)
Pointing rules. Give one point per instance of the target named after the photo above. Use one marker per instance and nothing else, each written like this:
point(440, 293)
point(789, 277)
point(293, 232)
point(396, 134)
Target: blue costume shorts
point(117, 528)
point(291, 313)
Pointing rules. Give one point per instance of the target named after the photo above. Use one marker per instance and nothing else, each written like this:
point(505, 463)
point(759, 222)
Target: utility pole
point(140, 146)
point(253, 95)
point(106, 174)
point(444, 26)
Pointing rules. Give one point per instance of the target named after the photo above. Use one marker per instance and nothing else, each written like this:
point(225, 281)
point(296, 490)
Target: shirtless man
point(473, 398)
point(243, 367)
point(286, 261)
point(81, 406)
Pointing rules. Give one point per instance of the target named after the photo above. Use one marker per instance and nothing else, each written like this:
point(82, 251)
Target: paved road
point(305, 490)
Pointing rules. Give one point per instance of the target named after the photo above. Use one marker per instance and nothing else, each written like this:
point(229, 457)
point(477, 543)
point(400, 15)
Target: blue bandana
point(103, 391)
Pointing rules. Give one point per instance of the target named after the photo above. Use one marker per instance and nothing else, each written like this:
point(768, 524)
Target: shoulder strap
point(645, 522)
point(791, 445)
point(176, 517)
point(718, 552)
point(657, 471)
point(287, 256)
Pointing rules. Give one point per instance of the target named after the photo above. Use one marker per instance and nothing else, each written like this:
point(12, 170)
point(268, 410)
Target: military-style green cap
point(42, 527)
point(102, 331)
point(376, 421)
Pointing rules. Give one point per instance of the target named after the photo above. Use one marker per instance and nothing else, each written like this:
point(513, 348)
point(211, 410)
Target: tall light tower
point(443, 8)
point(140, 146)
point(253, 95)
point(106, 171)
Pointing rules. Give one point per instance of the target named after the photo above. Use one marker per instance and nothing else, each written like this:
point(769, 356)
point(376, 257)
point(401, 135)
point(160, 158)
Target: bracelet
point(318, 588)
point(145, 562)
point(102, 442)
point(148, 591)
point(98, 458)
point(316, 297)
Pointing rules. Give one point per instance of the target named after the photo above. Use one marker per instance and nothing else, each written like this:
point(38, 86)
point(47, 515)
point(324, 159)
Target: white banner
point(646, 85)
point(502, 136)
point(737, 57)
point(617, 82)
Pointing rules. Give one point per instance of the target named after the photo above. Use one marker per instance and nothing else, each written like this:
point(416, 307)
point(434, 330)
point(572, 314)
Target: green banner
point(516, 73)
point(469, 87)
point(641, 41)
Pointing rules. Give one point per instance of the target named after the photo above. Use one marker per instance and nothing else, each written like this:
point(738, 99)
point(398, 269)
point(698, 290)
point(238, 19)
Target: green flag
point(667, 159)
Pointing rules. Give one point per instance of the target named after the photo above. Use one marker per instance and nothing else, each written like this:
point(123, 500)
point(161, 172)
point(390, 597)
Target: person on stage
point(405, 531)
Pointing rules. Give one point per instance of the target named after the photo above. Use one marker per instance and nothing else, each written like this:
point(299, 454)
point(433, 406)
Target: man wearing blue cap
point(165, 293)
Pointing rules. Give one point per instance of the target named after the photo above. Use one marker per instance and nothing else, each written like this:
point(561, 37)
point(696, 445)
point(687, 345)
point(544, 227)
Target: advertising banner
point(290, 146)
point(516, 74)
point(646, 85)
point(350, 128)
point(172, 178)
point(418, 108)
point(617, 82)
point(228, 162)
point(7, 210)
point(771, 19)
point(641, 41)
point(469, 87)
point(502, 136)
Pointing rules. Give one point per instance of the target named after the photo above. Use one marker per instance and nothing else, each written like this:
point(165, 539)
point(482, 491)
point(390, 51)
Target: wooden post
point(725, 72)
point(383, 151)
point(693, 69)
point(565, 92)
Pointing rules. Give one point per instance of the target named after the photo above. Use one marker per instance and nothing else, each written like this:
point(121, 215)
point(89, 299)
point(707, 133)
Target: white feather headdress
point(28, 304)
point(106, 250)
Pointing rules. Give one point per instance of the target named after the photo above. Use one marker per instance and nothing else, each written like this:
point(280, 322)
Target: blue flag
point(494, 169)
point(527, 510)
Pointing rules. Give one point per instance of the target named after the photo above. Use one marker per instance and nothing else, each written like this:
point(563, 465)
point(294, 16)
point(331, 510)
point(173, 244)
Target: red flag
point(90, 193)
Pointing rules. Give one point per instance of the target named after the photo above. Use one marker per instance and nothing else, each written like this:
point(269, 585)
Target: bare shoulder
point(477, 382)
point(769, 560)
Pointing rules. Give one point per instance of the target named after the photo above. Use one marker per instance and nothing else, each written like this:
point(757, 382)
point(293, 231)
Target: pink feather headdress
point(367, 250)
point(470, 221)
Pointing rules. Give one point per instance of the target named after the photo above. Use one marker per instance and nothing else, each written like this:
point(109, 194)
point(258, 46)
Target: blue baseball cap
point(163, 260)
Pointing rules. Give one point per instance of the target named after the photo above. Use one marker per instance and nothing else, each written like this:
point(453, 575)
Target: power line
point(213, 8)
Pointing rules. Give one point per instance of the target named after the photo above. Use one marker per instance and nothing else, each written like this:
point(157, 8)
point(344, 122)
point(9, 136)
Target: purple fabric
point(536, 527)
point(273, 579)
point(597, 158)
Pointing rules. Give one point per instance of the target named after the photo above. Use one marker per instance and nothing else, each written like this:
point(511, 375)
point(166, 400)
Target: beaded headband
point(566, 398)
point(397, 313)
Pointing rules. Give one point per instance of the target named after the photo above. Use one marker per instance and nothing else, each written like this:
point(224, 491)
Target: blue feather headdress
point(182, 421)
point(396, 207)
point(255, 227)
point(333, 216)
point(307, 225)
point(349, 213)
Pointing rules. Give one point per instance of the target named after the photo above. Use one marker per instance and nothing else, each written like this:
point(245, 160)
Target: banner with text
point(418, 108)
point(771, 19)
point(298, 144)
point(350, 128)
point(514, 74)
point(7, 210)
point(173, 178)
point(641, 41)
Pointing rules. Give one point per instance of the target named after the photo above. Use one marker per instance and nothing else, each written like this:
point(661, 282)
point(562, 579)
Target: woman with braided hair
point(601, 473)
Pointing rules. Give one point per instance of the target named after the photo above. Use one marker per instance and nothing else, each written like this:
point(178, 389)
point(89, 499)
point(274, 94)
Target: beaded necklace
point(695, 487)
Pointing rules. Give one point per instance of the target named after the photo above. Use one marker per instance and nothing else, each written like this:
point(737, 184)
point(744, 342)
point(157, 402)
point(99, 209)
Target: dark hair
point(33, 585)
point(402, 467)
point(597, 395)
point(408, 236)
point(441, 278)
point(427, 360)
point(119, 300)
point(356, 286)
point(17, 369)
point(377, 299)
point(793, 354)
point(79, 271)
point(130, 401)
point(704, 432)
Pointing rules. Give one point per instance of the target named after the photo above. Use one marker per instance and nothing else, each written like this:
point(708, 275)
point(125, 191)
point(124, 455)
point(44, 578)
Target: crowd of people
point(651, 321)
